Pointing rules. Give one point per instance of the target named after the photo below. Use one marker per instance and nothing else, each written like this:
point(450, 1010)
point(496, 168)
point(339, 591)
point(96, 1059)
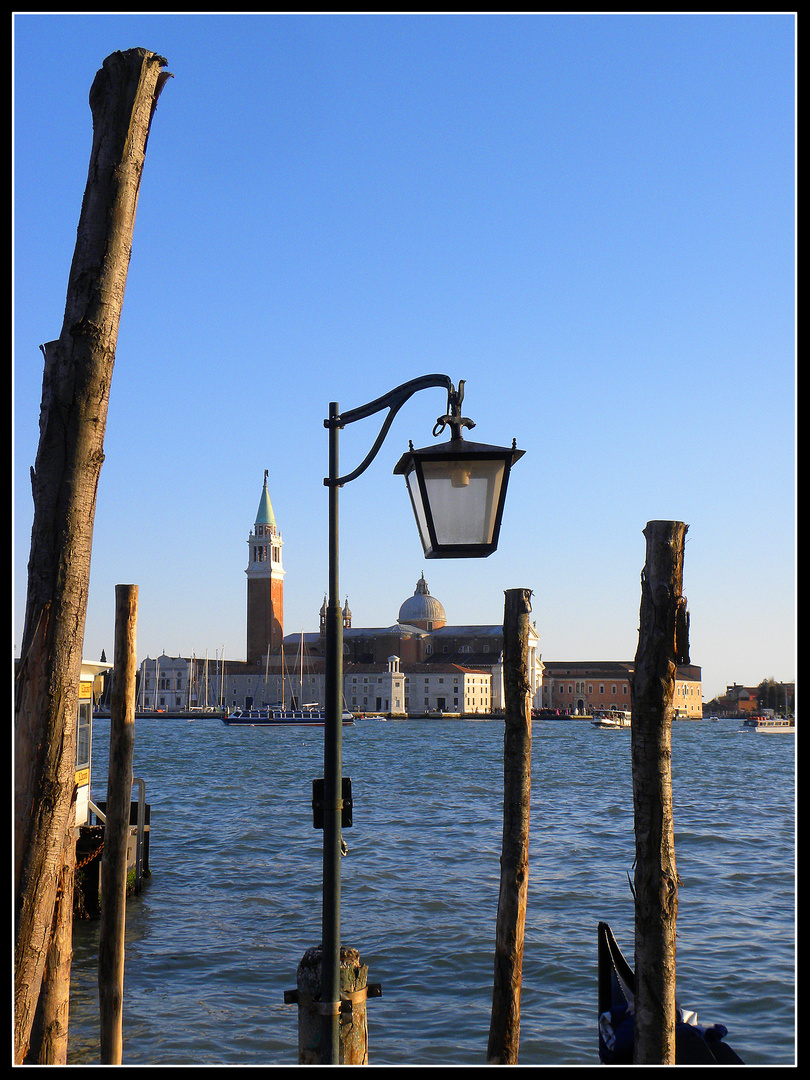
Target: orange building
point(582, 687)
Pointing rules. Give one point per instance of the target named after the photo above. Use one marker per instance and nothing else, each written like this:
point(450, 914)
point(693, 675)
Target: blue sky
point(588, 218)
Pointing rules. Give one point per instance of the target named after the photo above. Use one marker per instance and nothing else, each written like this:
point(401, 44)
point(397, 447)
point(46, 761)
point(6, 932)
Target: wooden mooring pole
point(76, 382)
point(504, 1031)
point(353, 1023)
point(116, 829)
point(663, 643)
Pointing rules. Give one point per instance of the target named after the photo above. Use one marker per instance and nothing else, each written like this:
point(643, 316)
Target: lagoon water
point(234, 900)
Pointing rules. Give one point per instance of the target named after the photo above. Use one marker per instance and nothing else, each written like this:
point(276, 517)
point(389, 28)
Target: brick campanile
point(265, 583)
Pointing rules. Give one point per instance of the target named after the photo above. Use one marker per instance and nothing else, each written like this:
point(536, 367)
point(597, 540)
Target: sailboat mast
point(222, 680)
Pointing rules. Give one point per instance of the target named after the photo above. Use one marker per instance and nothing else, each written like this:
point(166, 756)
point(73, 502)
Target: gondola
point(695, 1044)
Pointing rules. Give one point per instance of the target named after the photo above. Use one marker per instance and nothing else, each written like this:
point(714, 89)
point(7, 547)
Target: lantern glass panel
point(418, 505)
point(463, 497)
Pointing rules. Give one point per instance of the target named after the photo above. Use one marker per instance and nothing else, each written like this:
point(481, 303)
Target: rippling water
point(234, 900)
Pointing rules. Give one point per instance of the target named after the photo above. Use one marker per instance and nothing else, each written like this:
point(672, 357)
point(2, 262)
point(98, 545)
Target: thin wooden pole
point(116, 829)
point(662, 645)
point(504, 1031)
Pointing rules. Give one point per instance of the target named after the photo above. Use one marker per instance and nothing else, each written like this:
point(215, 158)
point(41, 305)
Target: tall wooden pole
point(504, 1031)
point(116, 828)
point(663, 643)
point(75, 394)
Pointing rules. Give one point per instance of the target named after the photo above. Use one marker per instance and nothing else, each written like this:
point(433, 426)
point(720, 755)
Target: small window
point(83, 735)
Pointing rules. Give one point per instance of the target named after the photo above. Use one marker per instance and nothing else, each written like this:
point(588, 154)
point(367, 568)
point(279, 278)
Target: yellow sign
point(82, 777)
point(85, 689)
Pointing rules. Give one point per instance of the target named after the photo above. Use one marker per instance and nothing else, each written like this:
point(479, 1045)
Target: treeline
point(775, 695)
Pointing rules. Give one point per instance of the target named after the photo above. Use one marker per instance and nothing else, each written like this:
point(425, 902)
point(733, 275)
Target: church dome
point(422, 609)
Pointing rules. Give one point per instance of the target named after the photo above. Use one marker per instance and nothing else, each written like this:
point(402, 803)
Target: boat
point(276, 716)
point(770, 724)
point(695, 1044)
point(613, 720)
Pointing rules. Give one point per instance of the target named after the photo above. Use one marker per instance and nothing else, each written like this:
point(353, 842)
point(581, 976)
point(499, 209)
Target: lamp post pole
point(470, 455)
point(333, 772)
point(333, 723)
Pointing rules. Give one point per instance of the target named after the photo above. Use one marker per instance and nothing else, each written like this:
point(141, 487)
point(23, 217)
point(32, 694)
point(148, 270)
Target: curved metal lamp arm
point(393, 401)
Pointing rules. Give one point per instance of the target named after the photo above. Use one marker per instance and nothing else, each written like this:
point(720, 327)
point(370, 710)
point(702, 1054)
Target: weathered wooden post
point(49, 1035)
point(354, 990)
point(116, 828)
point(75, 394)
point(663, 642)
point(504, 1031)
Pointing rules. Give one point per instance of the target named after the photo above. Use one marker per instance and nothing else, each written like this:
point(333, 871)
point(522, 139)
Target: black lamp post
point(457, 492)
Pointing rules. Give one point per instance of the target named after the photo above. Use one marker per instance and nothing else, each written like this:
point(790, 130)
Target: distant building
point(585, 687)
point(177, 683)
point(419, 664)
point(738, 699)
point(442, 668)
point(430, 665)
point(768, 697)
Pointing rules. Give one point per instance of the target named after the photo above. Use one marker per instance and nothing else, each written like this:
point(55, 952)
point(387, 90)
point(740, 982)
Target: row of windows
point(684, 689)
point(579, 688)
point(165, 684)
point(482, 680)
point(449, 648)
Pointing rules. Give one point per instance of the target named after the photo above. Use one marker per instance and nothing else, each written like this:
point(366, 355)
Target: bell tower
point(265, 583)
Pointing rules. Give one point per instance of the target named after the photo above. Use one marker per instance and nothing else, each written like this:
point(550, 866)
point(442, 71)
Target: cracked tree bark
point(75, 394)
point(663, 644)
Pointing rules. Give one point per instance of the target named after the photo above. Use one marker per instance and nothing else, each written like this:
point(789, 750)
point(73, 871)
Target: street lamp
point(457, 491)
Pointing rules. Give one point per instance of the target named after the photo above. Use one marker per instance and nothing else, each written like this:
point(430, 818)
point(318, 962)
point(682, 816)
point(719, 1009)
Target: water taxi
point(770, 724)
point(269, 716)
point(613, 720)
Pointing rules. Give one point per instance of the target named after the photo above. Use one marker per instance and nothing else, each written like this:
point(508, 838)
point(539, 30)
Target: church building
point(441, 667)
point(420, 664)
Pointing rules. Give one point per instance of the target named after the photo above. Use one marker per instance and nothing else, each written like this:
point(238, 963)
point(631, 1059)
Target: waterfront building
point(391, 688)
point(739, 699)
point(177, 683)
point(285, 669)
point(746, 700)
point(418, 664)
point(421, 663)
point(424, 641)
point(584, 687)
point(688, 697)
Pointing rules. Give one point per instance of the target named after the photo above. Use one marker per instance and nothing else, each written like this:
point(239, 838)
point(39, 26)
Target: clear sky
point(589, 218)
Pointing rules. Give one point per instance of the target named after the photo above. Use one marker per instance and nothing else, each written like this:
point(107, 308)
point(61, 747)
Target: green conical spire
point(264, 515)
